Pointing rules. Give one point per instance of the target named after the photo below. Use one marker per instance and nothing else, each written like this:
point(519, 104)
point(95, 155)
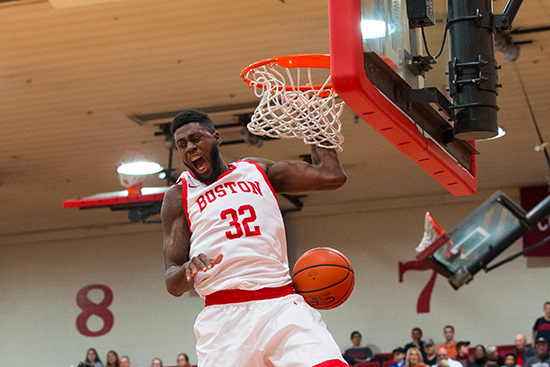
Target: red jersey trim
point(230, 166)
point(184, 201)
point(226, 296)
point(332, 363)
point(265, 177)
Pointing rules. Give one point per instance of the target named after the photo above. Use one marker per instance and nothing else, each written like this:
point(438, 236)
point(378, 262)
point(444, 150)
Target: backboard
point(379, 80)
point(478, 239)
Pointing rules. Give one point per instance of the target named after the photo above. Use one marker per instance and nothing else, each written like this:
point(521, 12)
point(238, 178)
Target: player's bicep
point(176, 232)
point(293, 176)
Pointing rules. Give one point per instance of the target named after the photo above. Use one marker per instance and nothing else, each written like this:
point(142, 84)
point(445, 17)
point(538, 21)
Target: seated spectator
point(443, 355)
point(92, 359)
point(356, 353)
point(125, 361)
point(417, 342)
point(480, 357)
point(542, 325)
point(542, 359)
point(523, 351)
point(462, 353)
point(492, 355)
point(398, 357)
point(510, 360)
point(156, 362)
point(450, 343)
point(430, 351)
point(183, 360)
point(112, 359)
point(414, 358)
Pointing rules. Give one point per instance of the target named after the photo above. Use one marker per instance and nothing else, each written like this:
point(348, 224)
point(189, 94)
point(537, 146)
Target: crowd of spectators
point(112, 360)
point(452, 353)
point(417, 353)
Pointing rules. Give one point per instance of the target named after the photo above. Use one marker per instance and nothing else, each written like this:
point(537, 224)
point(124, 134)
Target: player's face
point(198, 149)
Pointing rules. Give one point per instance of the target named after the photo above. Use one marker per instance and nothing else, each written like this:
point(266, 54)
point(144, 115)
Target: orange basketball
point(324, 277)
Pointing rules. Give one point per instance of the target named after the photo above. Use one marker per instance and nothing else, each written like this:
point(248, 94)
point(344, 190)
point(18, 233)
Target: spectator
point(443, 355)
point(492, 355)
point(542, 325)
point(398, 357)
point(414, 358)
point(450, 343)
point(125, 361)
point(156, 362)
point(417, 342)
point(92, 358)
point(480, 357)
point(510, 360)
point(522, 350)
point(542, 359)
point(462, 353)
point(112, 359)
point(430, 351)
point(183, 360)
point(357, 353)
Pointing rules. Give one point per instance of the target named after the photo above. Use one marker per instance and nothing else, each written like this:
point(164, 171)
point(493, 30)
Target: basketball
point(324, 277)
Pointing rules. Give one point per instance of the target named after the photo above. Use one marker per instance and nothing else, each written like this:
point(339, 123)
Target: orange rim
point(291, 61)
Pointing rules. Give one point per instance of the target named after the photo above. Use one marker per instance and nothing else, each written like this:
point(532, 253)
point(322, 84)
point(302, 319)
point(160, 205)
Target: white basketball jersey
point(238, 216)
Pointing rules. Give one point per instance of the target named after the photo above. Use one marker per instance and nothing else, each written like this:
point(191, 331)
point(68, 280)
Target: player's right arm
point(179, 269)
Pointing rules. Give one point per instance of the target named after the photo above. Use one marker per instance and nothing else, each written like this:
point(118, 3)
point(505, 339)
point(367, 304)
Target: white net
point(291, 109)
point(432, 230)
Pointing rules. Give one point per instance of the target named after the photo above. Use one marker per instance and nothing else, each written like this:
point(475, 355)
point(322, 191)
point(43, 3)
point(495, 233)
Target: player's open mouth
point(200, 164)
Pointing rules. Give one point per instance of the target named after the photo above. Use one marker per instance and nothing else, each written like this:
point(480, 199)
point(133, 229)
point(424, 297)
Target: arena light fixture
point(139, 168)
point(500, 134)
point(371, 29)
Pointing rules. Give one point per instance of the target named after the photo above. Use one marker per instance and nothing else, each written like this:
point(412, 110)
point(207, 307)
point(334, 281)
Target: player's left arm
point(291, 176)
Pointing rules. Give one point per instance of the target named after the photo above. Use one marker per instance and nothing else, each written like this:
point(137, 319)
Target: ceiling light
point(371, 29)
point(139, 168)
point(500, 134)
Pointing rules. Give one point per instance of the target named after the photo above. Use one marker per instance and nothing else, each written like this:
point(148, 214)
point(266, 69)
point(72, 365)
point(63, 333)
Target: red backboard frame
point(120, 199)
point(352, 84)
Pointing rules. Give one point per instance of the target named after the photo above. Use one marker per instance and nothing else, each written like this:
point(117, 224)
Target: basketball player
point(224, 236)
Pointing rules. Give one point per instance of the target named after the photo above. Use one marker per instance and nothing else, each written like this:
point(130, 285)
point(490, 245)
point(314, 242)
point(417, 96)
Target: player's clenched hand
point(200, 263)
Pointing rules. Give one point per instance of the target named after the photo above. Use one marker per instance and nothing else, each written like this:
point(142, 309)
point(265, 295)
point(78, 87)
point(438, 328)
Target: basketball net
point(294, 108)
point(132, 183)
point(432, 230)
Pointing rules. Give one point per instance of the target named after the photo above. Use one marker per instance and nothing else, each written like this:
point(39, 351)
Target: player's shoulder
point(172, 199)
point(263, 163)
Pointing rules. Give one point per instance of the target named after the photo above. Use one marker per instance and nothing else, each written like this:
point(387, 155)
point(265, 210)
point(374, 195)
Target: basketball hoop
point(292, 108)
point(132, 182)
